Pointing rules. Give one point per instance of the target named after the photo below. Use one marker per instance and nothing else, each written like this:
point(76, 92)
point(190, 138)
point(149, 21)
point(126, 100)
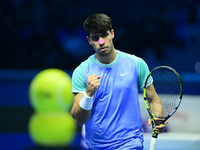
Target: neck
point(108, 58)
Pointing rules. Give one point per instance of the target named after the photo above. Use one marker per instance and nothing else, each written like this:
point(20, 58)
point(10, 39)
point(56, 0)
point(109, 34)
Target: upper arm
point(77, 98)
point(78, 81)
point(143, 72)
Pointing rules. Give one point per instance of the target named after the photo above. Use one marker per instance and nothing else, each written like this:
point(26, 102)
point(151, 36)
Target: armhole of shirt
point(143, 72)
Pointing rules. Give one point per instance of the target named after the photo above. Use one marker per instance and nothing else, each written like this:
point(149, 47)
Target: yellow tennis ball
point(52, 129)
point(50, 90)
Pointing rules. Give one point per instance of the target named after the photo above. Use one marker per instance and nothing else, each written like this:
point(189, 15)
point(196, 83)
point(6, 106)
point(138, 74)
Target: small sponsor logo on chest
point(123, 74)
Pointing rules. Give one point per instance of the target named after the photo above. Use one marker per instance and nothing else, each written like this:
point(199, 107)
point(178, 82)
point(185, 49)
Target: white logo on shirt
point(123, 74)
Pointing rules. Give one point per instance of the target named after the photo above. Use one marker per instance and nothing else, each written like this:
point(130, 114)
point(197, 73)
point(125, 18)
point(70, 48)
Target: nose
point(101, 41)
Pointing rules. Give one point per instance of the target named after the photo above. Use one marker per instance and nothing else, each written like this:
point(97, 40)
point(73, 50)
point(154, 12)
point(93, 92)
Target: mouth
point(103, 49)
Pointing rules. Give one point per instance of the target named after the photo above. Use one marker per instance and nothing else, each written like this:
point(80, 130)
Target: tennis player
point(105, 88)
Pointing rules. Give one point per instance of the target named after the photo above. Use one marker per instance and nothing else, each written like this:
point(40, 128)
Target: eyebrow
point(98, 34)
point(94, 36)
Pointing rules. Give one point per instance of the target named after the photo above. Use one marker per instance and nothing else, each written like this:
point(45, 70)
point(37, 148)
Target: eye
point(105, 35)
point(94, 38)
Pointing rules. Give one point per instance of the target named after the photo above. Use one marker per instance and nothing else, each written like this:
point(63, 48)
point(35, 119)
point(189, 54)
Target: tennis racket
point(163, 91)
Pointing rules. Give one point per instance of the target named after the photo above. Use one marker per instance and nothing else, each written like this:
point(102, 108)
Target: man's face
point(102, 42)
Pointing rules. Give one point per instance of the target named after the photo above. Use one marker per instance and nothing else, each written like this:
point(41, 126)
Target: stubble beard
point(107, 52)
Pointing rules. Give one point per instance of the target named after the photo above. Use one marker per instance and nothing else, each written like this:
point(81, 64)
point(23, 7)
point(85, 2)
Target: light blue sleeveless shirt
point(115, 121)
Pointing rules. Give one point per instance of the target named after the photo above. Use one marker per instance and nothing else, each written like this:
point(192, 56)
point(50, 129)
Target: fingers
point(156, 120)
point(159, 129)
point(92, 84)
point(93, 81)
point(166, 122)
point(93, 78)
point(149, 122)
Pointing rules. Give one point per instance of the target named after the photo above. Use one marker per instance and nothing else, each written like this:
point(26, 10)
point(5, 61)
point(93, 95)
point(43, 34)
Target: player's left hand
point(159, 128)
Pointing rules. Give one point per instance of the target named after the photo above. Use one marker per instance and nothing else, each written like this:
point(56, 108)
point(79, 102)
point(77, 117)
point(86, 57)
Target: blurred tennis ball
point(50, 90)
point(52, 129)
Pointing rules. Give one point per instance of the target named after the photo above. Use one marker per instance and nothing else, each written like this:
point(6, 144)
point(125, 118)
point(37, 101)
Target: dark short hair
point(97, 23)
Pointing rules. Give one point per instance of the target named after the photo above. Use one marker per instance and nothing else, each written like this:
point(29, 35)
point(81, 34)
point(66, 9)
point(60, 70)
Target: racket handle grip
point(153, 143)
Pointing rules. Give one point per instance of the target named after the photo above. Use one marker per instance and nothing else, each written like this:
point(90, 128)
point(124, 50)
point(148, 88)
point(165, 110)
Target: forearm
point(154, 101)
point(80, 110)
point(80, 115)
point(156, 105)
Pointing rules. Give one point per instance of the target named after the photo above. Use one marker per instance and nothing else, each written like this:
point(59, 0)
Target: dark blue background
point(40, 34)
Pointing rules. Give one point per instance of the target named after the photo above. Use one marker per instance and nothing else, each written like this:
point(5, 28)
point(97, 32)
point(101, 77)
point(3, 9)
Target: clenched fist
point(92, 84)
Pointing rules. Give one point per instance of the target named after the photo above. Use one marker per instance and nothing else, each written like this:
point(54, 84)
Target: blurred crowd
point(40, 34)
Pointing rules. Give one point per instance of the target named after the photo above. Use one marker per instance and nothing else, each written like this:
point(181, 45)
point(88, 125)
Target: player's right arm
point(78, 111)
point(80, 115)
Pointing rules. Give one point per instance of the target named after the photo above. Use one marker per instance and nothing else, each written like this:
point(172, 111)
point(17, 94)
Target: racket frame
point(151, 115)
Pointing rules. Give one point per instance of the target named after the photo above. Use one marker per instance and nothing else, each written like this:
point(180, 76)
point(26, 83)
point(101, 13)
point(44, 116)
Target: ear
point(89, 40)
point(112, 33)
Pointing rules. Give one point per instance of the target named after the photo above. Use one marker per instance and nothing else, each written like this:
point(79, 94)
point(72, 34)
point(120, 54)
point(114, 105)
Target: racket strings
point(166, 98)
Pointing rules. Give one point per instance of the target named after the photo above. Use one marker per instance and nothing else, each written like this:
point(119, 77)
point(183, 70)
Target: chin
point(104, 53)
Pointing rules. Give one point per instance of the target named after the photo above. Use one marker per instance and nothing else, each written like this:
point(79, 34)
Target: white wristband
point(86, 102)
